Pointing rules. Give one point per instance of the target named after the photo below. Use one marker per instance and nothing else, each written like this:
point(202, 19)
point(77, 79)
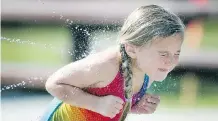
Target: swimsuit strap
point(143, 90)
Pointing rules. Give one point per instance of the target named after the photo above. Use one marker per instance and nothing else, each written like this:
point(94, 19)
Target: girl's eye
point(163, 54)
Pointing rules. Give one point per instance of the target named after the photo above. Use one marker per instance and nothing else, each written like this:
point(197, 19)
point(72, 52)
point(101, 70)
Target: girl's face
point(159, 57)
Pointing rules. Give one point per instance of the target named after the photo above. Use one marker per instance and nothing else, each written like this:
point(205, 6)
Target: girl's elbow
point(55, 89)
point(51, 85)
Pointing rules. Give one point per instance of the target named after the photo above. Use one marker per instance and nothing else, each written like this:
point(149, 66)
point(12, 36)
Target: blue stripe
point(53, 106)
point(143, 89)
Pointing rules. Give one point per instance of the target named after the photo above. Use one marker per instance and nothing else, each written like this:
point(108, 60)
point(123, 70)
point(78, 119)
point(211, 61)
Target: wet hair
point(141, 27)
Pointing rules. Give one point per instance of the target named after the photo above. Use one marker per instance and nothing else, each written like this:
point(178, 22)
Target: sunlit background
point(40, 36)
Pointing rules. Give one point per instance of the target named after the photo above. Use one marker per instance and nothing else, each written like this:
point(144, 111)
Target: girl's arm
point(67, 83)
point(73, 95)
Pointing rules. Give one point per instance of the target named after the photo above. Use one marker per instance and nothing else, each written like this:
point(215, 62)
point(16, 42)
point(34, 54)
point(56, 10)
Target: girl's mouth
point(163, 69)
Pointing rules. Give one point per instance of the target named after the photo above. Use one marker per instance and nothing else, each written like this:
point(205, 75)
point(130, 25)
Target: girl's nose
point(169, 60)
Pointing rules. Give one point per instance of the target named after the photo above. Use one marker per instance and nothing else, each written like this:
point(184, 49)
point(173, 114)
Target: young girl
point(108, 85)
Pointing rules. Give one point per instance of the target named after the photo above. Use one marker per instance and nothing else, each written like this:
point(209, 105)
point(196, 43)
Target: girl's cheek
point(176, 60)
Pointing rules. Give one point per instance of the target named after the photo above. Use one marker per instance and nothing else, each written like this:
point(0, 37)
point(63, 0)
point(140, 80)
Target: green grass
point(58, 37)
point(173, 101)
point(210, 35)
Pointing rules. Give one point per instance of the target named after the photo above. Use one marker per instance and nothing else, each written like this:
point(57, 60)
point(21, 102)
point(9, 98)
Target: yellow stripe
point(67, 112)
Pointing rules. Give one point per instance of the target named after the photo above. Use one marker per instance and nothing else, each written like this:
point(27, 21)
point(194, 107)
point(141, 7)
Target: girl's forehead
point(174, 41)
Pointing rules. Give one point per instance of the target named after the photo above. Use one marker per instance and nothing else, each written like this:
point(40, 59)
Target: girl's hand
point(147, 104)
point(109, 106)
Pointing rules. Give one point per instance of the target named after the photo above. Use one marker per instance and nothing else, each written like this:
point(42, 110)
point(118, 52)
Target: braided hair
point(127, 75)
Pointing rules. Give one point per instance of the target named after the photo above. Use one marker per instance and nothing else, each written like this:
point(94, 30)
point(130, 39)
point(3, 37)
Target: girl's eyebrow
point(178, 51)
point(163, 51)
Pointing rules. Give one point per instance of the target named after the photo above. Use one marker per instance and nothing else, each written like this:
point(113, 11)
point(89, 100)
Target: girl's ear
point(131, 50)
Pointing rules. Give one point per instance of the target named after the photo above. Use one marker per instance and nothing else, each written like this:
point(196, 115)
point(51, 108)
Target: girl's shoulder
point(107, 64)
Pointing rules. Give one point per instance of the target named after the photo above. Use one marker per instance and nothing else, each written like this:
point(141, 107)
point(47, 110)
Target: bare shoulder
point(96, 70)
point(106, 66)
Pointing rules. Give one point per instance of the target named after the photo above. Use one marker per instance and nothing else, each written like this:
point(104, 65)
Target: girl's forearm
point(74, 96)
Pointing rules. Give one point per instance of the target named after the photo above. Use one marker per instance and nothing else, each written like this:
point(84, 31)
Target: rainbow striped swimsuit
point(60, 111)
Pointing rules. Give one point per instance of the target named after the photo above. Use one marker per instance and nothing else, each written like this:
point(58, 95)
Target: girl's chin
point(160, 78)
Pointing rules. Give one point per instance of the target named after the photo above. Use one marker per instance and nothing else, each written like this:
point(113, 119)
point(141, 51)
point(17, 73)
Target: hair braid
point(127, 75)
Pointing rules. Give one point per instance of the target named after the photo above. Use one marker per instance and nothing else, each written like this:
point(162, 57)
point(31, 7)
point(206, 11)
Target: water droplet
point(35, 78)
point(3, 38)
point(155, 85)
point(61, 16)
point(19, 84)
point(7, 87)
point(23, 82)
point(71, 22)
point(31, 43)
point(17, 40)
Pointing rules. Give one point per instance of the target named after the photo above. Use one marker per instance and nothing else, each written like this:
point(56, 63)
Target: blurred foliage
point(210, 34)
point(41, 44)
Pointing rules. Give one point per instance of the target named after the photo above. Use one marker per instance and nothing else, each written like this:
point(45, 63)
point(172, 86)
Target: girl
point(108, 85)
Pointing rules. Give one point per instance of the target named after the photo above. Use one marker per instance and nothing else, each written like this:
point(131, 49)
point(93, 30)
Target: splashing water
point(65, 51)
point(47, 46)
point(22, 84)
point(12, 86)
point(19, 41)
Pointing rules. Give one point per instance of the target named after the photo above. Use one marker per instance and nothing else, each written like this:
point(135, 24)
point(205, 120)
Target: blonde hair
point(141, 27)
